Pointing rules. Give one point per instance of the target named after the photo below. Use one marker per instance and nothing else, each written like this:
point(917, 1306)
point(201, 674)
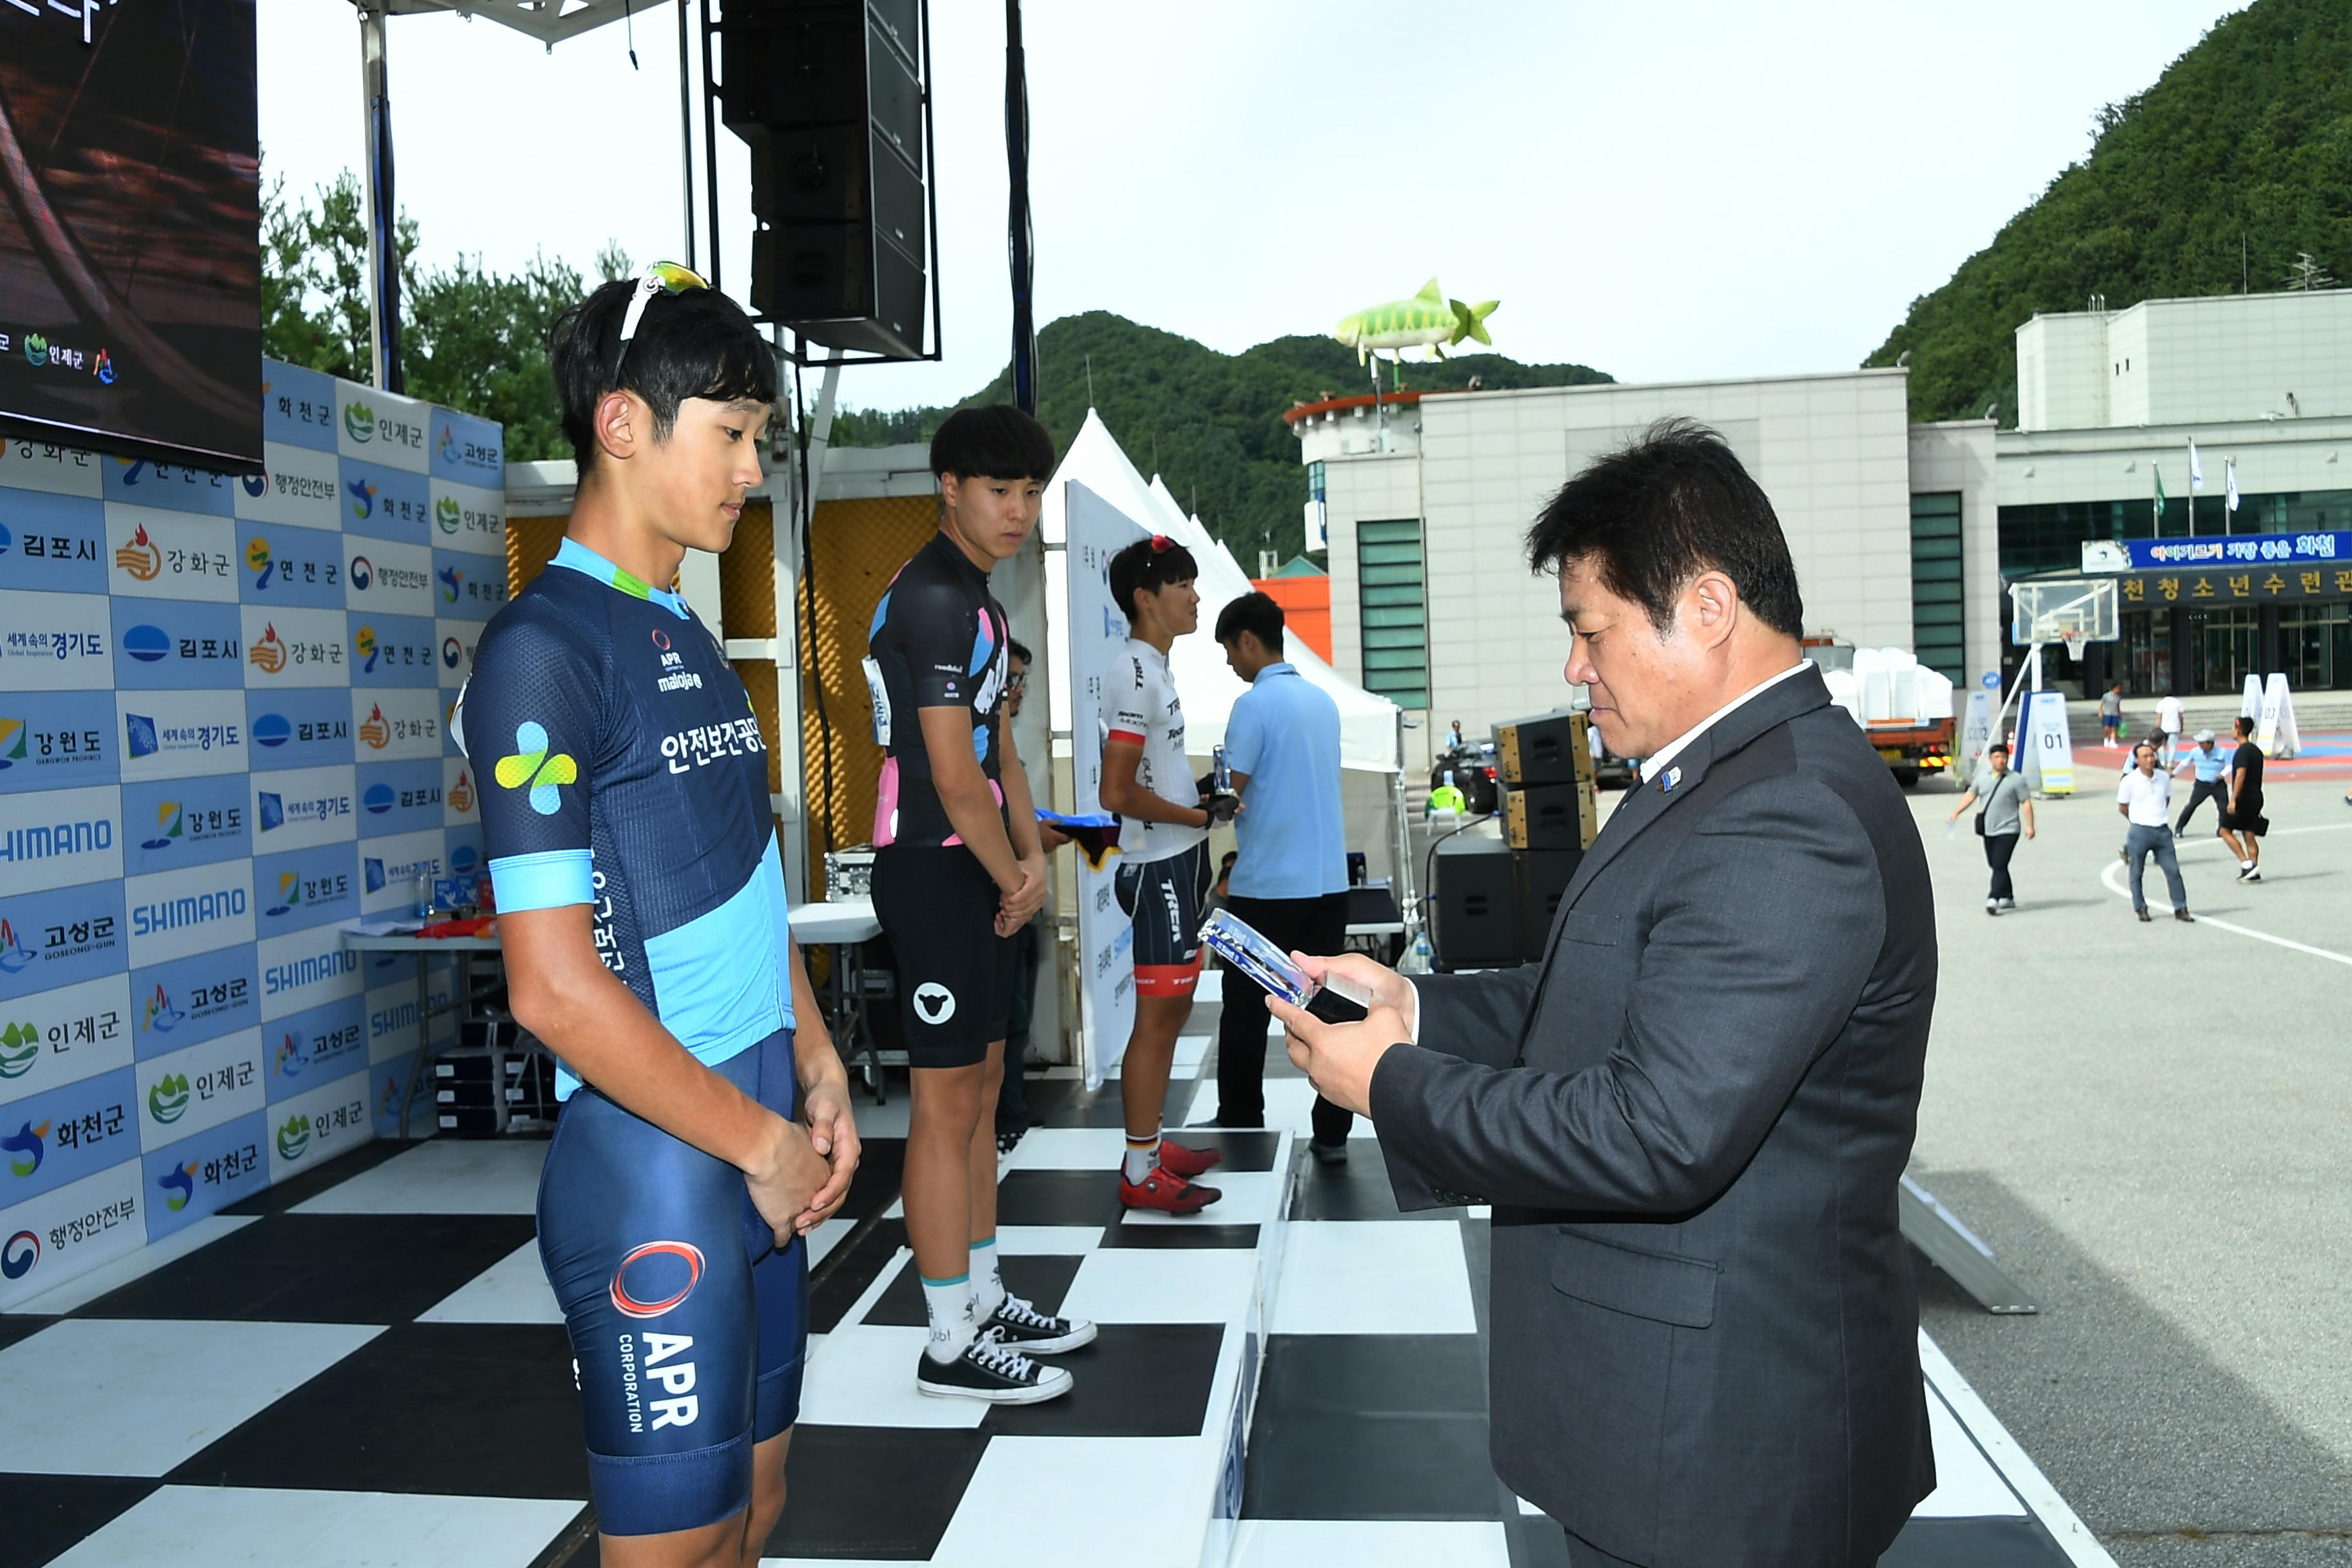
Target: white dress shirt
point(2148, 797)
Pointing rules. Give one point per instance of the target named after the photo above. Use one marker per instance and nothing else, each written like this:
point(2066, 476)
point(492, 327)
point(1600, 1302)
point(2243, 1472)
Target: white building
point(1902, 534)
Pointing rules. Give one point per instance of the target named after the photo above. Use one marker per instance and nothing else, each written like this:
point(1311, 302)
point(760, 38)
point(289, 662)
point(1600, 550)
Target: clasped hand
point(807, 1174)
point(1339, 1059)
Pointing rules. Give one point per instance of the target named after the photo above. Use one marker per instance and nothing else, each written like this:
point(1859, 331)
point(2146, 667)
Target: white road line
point(2113, 879)
point(2016, 1466)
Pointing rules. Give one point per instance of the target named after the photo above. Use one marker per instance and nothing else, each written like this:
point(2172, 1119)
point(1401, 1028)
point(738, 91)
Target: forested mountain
point(2218, 178)
point(1209, 423)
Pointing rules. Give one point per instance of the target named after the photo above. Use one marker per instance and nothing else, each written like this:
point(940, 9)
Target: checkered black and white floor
point(367, 1367)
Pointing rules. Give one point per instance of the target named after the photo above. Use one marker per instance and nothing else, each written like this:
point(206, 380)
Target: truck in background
point(1905, 708)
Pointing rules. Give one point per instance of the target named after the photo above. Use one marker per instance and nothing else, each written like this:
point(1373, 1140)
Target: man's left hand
point(825, 1111)
point(1338, 1059)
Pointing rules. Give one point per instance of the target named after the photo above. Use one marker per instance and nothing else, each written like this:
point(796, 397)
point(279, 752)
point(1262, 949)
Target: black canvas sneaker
point(991, 1372)
point(1021, 1327)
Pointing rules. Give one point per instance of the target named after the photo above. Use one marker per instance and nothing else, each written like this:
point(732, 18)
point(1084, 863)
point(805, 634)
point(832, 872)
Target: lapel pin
point(1672, 777)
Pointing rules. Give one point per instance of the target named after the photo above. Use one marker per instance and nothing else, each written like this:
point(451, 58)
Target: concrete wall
point(2042, 466)
point(2175, 362)
point(2062, 372)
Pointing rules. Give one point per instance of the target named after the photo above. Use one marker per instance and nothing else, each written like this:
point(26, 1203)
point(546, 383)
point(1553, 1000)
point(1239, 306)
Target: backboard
point(2070, 610)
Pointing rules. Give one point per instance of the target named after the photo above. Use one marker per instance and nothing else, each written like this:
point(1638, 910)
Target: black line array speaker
point(830, 99)
point(1539, 878)
point(1470, 889)
point(1550, 748)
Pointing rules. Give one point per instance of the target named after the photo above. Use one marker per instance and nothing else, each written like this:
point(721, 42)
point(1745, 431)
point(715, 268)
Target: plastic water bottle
point(1418, 959)
point(424, 893)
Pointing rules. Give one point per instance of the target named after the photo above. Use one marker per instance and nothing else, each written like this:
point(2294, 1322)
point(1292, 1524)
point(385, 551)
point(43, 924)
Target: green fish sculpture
point(1429, 319)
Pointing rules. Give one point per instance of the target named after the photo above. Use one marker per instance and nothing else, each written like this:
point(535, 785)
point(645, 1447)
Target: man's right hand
point(1021, 901)
point(787, 1180)
point(1359, 974)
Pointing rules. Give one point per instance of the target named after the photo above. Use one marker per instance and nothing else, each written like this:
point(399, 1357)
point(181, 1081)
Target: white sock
point(2245, 864)
point(947, 1304)
point(1142, 1157)
point(987, 1280)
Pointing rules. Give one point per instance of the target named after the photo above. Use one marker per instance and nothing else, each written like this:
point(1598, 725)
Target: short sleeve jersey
point(1139, 706)
point(620, 767)
point(2249, 758)
point(937, 641)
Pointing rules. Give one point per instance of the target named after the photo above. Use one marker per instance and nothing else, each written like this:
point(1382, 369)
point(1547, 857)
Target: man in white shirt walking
point(2169, 722)
point(2145, 800)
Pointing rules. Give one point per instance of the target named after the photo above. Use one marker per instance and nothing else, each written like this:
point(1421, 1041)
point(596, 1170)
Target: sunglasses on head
point(660, 277)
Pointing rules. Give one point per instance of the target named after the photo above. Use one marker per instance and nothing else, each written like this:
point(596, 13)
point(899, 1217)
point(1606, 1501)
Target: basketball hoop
point(2075, 639)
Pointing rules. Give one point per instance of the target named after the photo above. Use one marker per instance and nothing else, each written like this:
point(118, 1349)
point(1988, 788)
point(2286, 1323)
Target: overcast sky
point(1664, 191)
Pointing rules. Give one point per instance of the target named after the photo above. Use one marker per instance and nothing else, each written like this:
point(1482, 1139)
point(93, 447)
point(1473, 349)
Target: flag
point(2230, 471)
point(2159, 497)
point(2196, 467)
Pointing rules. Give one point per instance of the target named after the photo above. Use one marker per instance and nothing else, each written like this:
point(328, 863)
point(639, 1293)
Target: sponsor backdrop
point(224, 729)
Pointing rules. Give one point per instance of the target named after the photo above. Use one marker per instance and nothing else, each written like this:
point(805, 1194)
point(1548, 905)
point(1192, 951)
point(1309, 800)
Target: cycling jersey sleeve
point(528, 725)
point(934, 625)
point(1126, 702)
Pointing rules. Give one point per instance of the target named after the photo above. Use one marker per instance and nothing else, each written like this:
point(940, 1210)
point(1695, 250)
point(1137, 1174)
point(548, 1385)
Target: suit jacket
point(1691, 1119)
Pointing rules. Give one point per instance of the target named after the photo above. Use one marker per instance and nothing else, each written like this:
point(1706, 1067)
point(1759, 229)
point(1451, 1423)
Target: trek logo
point(533, 766)
point(179, 1185)
point(27, 1140)
point(656, 1275)
point(139, 557)
point(17, 1258)
point(934, 1003)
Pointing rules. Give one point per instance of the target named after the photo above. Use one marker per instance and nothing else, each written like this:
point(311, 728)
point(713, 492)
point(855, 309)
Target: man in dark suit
point(1692, 1115)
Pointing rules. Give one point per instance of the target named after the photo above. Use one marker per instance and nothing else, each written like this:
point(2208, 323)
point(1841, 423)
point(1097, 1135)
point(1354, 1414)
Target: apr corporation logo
point(139, 557)
point(359, 422)
point(451, 580)
point(449, 514)
point(29, 1142)
point(532, 765)
point(14, 955)
point(18, 1256)
point(179, 1184)
point(20, 1048)
point(167, 826)
point(375, 730)
point(659, 1276)
point(364, 646)
point(161, 1016)
point(168, 1100)
point(37, 351)
point(294, 1137)
point(267, 653)
point(362, 496)
point(257, 560)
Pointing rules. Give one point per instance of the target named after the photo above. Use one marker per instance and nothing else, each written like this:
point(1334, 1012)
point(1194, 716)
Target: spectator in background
point(1013, 1095)
point(2243, 824)
point(2007, 808)
point(2145, 801)
point(2211, 768)
point(2111, 714)
point(1290, 882)
point(2169, 721)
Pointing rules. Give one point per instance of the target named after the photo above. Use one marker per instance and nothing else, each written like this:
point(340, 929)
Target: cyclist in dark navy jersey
point(706, 1127)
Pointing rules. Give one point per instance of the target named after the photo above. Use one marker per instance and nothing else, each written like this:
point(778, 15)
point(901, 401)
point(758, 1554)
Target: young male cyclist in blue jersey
point(958, 871)
point(641, 906)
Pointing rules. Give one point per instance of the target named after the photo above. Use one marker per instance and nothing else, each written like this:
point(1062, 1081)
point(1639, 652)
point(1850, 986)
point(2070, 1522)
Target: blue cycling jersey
point(621, 766)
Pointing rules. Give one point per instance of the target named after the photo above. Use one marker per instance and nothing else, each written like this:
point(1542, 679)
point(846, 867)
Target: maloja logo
point(657, 1276)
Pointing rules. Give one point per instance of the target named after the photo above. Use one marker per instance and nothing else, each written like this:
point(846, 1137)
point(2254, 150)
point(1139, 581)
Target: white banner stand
point(2249, 703)
point(2274, 730)
point(2049, 750)
point(1975, 735)
point(1096, 530)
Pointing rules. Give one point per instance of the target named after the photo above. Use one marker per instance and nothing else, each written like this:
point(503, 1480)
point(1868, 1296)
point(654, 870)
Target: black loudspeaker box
point(1539, 878)
point(1548, 749)
point(1550, 816)
point(1470, 891)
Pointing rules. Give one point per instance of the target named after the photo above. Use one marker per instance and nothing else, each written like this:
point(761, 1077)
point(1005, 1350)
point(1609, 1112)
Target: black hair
point(998, 442)
point(1256, 613)
point(1666, 506)
point(2000, 746)
point(1019, 650)
point(1152, 562)
point(696, 343)
point(2245, 725)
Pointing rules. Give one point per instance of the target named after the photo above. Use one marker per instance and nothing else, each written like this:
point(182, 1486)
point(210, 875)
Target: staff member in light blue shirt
point(1291, 881)
point(2212, 765)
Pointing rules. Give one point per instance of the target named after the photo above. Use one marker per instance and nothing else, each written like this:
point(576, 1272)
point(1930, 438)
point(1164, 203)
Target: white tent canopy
point(1368, 724)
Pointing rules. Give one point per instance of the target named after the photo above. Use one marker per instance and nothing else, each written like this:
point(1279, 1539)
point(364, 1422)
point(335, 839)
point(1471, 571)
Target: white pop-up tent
point(1368, 724)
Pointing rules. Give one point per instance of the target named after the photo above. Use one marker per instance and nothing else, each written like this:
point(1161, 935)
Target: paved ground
point(2150, 1126)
